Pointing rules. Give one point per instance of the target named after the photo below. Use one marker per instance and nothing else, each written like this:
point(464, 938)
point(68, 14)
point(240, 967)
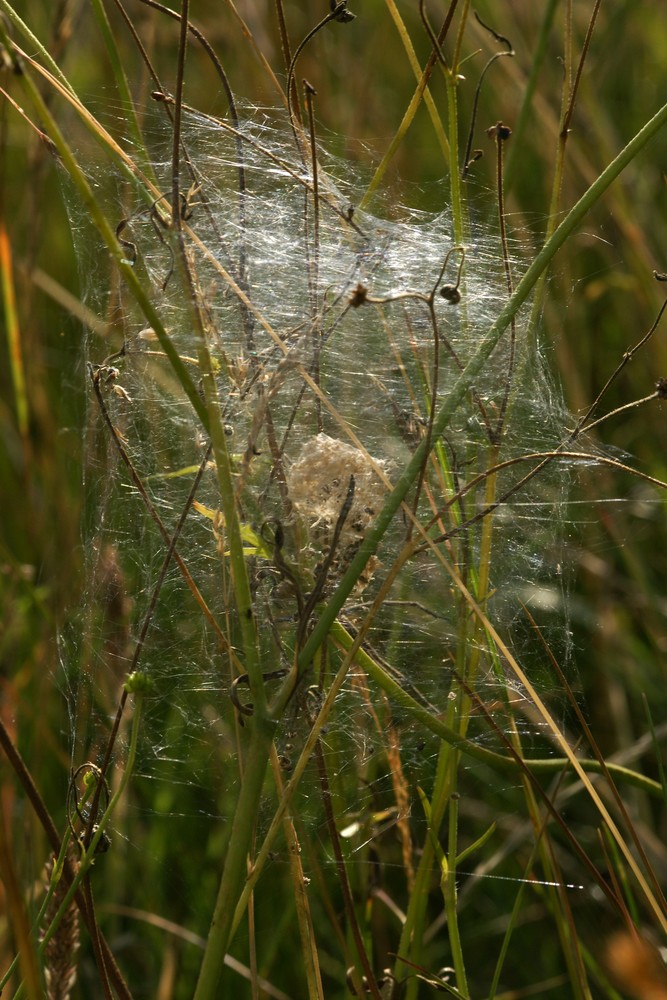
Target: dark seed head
point(451, 294)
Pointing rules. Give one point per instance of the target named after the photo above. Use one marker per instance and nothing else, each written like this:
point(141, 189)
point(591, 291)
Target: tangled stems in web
point(333, 337)
point(322, 326)
point(333, 334)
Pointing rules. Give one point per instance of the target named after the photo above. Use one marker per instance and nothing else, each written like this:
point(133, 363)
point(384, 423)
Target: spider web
point(317, 317)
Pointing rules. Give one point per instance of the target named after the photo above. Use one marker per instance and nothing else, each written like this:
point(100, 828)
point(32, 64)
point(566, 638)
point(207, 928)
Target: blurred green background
point(600, 299)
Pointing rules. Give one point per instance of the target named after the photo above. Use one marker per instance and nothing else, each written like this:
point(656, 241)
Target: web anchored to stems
point(328, 505)
point(360, 369)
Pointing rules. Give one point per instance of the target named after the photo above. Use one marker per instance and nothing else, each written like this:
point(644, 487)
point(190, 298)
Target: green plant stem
point(469, 748)
point(421, 93)
point(344, 882)
point(208, 411)
point(450, 737)
point(519, 127)
point(304, 917)
point(444, 787)
point(569, 97)
point(299, 768)
point(421, 76)
point(235, 862)
point(261, 737)
point(412, 934)
point(448, 883)
point(458, 211)
point(35, 44)
point(123, 88)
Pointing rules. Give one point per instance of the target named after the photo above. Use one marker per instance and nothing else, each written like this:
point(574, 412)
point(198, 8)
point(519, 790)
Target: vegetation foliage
point(332, 548)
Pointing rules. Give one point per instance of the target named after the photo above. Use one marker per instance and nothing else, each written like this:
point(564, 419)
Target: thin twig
point(567, 118)
point(437, 42)
point(508, 51)
point(625, 360)
point(171, 549)
point(320, 582)
point(291, 91)
point(233, 112)
point(336, 14)
point(501, 133)
point(24, 776)
point(371, 984)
